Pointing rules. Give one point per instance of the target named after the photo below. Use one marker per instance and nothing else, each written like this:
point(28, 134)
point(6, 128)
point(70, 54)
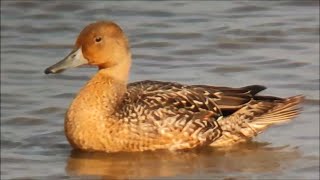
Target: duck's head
point(102, 44)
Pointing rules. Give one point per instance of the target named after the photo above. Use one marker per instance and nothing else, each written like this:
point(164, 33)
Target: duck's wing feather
point(219, 101)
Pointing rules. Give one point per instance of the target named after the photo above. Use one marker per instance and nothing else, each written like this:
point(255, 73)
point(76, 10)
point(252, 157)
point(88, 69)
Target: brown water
point(222, 43)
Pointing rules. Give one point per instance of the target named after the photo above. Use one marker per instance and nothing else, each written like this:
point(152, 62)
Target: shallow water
point(238, 43)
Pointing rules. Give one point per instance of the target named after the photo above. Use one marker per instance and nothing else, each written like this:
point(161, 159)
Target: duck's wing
point(187, 112)
point(219, 101)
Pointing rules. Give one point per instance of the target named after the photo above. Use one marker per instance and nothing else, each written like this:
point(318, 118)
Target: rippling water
point(234, 43)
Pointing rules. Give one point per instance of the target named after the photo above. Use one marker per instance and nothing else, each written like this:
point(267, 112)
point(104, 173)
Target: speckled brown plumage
point(219, 116)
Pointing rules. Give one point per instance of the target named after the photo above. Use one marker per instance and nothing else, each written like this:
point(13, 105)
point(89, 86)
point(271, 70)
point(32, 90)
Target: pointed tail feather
point(254, 118)
point(283, 111)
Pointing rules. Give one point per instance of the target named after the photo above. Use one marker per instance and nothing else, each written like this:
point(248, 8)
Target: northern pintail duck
point(110, 115)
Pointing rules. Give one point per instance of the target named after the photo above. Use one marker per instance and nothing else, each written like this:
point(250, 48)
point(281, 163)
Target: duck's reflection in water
point(251, 158)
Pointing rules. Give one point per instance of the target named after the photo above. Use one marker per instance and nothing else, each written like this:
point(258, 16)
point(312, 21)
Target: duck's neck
point(119, 72)
point(105, 90)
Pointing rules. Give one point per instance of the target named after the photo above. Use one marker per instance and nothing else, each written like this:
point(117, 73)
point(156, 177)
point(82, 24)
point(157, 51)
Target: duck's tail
point(257, 116)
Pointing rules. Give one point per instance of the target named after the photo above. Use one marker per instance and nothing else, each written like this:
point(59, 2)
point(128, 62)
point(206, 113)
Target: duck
point(109, 114)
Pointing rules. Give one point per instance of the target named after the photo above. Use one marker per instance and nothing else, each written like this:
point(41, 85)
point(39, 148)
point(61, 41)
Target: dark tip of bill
point(47, 71)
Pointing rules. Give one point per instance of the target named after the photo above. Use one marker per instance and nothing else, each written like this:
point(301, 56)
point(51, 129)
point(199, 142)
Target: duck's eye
point(98, 39)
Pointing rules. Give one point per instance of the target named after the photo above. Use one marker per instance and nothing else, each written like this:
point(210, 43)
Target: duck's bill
point(74, 59)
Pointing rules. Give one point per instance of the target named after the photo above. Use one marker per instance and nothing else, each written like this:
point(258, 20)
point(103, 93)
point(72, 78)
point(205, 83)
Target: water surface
point(234, 43)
